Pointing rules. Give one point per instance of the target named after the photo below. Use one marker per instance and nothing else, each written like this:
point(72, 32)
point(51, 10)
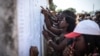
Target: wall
point(30, 22)
point(7, 17)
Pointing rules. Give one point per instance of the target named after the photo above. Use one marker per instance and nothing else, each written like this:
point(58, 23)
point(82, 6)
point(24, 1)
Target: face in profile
point(63, 24)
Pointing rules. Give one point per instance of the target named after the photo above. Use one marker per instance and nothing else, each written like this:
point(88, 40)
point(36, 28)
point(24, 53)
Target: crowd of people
point(65, 37)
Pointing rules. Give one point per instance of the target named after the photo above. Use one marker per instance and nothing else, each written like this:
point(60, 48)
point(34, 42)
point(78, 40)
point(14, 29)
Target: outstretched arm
point(48, 23)
point(59, 47)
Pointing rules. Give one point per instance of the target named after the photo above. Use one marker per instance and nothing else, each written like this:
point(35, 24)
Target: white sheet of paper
point(30, 22)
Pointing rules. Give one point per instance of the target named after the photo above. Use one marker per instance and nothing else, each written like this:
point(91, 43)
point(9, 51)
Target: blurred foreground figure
point(33, 51)
point(86, 38)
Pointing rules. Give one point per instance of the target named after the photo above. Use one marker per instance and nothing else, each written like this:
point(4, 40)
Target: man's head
point(97, 13)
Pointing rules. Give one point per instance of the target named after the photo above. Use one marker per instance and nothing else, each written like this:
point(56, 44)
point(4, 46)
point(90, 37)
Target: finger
point(42, 7)
point(43, 27)
point(42, 32)
point(48, 9)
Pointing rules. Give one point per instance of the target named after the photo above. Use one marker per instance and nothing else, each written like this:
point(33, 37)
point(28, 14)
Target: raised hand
point(68, 51)
point(48, 9)
point(43, 11)
point(45, 34)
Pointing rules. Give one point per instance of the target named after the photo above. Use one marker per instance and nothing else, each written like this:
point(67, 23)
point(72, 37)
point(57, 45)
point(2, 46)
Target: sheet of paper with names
point(30, 22)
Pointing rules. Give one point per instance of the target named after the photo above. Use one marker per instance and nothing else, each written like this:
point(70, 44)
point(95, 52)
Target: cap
point(72, 35)
point(88, 27)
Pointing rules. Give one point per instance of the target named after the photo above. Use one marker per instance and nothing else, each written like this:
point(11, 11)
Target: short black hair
point(72, 23)
point(69, 13)
point(97, 12)
point(70, 18)
point(87, 14)
point(82, 15)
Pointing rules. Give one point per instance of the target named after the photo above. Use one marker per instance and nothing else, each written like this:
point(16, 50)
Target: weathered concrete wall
point(8, 28)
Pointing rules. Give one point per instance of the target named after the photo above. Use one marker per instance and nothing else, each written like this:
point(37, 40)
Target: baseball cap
point(88, 27)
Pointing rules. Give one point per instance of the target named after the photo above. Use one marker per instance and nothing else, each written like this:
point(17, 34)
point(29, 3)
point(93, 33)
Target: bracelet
point(49, 41)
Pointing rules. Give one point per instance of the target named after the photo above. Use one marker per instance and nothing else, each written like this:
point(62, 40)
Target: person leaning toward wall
point(66, 24)
point(83, 32)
